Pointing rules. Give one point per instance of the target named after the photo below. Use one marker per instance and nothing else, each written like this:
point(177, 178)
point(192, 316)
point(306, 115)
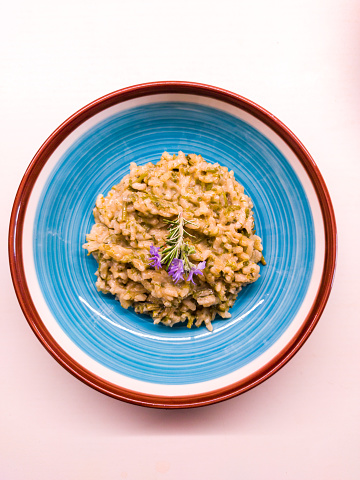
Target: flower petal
point(155, 258)
point(176, 269)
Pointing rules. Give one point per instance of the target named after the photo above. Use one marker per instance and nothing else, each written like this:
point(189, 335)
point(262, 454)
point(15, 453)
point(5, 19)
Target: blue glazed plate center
point(128, 343)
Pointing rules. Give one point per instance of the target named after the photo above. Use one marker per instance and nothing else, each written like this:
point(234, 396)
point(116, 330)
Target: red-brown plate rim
point(17, 266)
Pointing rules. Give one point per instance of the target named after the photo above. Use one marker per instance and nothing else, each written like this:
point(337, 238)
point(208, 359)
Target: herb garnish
point(175, 255)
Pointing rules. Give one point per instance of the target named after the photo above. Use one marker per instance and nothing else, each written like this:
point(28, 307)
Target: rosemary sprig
point(176, 247)
point(176, 254)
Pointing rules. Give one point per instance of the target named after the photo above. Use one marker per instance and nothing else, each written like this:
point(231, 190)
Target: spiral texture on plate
point(129, 343)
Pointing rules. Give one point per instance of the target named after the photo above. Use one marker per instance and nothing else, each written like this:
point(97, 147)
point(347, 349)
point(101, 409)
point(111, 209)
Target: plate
point(123, 354)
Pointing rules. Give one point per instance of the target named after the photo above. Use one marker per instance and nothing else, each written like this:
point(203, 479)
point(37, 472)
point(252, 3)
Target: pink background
point(300, 60)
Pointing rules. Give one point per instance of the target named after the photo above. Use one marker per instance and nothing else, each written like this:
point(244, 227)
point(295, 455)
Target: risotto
point(176, 240)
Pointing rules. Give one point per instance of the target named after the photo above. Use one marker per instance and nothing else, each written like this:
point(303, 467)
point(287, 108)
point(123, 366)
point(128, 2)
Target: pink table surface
point(300, 60)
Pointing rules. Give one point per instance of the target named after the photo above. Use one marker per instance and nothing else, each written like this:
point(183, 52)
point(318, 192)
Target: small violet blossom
point(155, 259)
point(196, 271)
point(176, 269)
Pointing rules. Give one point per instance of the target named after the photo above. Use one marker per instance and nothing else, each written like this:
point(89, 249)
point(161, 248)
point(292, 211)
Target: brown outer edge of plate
point(18, 273)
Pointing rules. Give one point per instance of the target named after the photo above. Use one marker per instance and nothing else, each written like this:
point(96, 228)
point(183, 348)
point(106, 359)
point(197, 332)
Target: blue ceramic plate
point(117, 351)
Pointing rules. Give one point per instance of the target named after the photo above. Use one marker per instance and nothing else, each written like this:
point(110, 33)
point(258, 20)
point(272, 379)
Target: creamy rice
point(131, 218)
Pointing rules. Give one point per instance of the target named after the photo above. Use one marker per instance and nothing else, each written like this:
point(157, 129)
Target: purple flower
point(196, 271)
point(176, 269)
point(155, 259)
